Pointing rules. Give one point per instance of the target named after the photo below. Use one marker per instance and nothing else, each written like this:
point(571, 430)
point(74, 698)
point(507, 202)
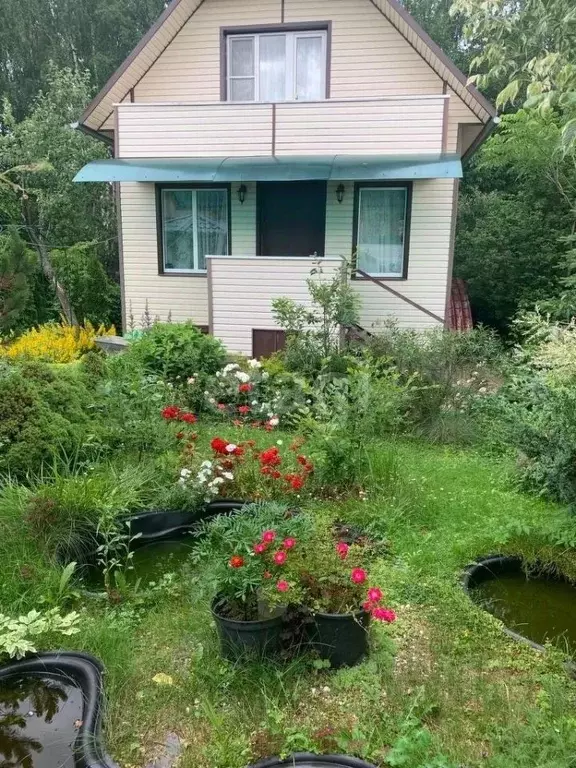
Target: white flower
point(483, 390)
point(265, 375)
point(244, 378)
point(254, 402)
point(216, 481)
point(230, 367)
point(206, 464)
point(218, 374)
point(274, 421)
point(230, 448)
point(228, 475)
point(212, 401)
point(191, 380)
point(185, 472)
point(279, 442)
point(308, 402)
point(254, 364)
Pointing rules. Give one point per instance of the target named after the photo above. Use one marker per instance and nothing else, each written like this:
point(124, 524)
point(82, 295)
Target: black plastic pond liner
point(305, 760)
point(161, 524)
point(492, 567)
point(85, 672)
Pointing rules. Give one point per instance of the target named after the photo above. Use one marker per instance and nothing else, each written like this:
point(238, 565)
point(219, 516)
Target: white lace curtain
point(381, 230)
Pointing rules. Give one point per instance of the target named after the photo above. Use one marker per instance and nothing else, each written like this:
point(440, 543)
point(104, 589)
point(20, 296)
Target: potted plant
point(337, 590)
point(246, 558)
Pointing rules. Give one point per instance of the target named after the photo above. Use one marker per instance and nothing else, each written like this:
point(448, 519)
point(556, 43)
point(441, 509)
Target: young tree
point(17, 262)
point(40, 156)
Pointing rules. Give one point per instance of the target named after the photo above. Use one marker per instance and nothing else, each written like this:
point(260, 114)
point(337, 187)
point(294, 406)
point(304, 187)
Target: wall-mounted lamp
point(242, 193)
point(340, 192)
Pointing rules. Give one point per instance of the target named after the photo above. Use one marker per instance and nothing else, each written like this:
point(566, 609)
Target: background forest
point(516, 241)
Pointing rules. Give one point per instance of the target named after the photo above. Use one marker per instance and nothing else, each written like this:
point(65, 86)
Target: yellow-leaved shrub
point(54, 343)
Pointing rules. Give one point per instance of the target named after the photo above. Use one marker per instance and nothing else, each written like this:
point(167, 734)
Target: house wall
point(369, 57)
point(185, 297)
point(428, 261)
point(243, 290)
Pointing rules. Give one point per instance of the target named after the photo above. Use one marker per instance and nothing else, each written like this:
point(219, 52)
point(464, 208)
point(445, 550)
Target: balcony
point(398, 125)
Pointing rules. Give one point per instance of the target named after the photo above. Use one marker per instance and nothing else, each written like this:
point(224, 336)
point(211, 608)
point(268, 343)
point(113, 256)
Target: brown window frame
point(160, 229)
point(408, 185)
point(305, 26)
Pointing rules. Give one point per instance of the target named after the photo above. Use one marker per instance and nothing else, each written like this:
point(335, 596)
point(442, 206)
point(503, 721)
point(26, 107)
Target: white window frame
point(194, 190)
point(291, 42)
point(402, 275)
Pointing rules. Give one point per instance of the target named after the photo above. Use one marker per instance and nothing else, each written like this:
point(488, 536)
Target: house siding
point(430, 237)
point(385, 126)
point(243, 291)
point(183, 297)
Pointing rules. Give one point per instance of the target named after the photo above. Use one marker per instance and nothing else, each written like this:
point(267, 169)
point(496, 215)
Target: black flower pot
point(306, 760)
point(259, 639)
point(340, 638)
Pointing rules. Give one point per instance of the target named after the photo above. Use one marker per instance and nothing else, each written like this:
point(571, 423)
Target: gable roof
point(179, 12)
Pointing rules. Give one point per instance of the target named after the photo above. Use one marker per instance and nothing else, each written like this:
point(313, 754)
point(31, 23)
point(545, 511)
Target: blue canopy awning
point(328, 167)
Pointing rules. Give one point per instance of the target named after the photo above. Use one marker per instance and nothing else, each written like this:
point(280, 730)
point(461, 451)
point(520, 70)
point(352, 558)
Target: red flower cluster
point(244, 409)
point(173, 413)
point(278, 558)
point(270, 457)
point(244, 388)
point(372, 606)
point(224, 448)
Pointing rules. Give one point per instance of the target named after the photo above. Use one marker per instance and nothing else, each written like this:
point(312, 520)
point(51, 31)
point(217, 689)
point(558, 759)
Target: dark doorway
point(267, 341)
point(291, 218)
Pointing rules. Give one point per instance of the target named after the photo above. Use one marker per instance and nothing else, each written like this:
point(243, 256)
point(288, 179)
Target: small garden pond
point(149, 562)
point(538, 607)
point(39, 721)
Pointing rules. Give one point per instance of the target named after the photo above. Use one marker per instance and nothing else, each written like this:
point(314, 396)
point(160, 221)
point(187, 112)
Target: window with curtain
point(194, 225)
point(277, 66)
point(382, 233)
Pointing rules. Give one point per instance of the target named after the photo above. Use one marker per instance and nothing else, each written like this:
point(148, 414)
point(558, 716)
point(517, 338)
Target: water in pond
point(538, 608)
point(39, 722)
point(150, 562)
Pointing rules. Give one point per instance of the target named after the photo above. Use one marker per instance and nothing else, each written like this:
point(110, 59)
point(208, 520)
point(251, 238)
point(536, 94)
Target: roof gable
point(180, 12)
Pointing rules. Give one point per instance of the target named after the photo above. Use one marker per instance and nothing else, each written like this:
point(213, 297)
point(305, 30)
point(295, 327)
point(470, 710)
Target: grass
point(444, 686)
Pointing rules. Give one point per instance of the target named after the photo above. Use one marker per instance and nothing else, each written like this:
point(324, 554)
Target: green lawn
point(444, 686)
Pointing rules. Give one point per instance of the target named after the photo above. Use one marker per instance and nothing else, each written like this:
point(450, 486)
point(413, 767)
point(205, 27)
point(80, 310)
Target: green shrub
point(445, 370)
point(177, 351)
point(42, 414)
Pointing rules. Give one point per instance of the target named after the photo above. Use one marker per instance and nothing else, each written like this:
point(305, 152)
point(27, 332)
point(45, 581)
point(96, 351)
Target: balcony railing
point(391, 125)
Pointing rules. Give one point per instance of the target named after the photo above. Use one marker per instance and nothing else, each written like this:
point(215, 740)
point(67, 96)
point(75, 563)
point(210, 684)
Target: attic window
point(277, 66)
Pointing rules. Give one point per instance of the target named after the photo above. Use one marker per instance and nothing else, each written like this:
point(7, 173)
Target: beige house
point(255, 138)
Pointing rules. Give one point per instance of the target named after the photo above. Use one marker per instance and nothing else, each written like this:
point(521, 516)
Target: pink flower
point(358, 575)
point(280, 557)
point(384, 614)
point(268, 537)
point(221, 407)
point(375, 595)
point(244, 409)
point(282, 586)
point(368, 606)
point(342, 549)
point(259, 548)
point(289, 543)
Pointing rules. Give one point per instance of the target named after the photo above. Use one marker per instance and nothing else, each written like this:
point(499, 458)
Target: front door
point(291, 218)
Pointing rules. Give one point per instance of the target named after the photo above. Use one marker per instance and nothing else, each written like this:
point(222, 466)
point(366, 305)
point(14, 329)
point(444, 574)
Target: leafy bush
point(178, 351)
point(42, 414)
point(23, 635)
point(314, 339)
point(53, 343)
point(444, 370)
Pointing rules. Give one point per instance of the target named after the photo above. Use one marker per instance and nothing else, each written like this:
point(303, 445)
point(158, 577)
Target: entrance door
point(291, 218)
